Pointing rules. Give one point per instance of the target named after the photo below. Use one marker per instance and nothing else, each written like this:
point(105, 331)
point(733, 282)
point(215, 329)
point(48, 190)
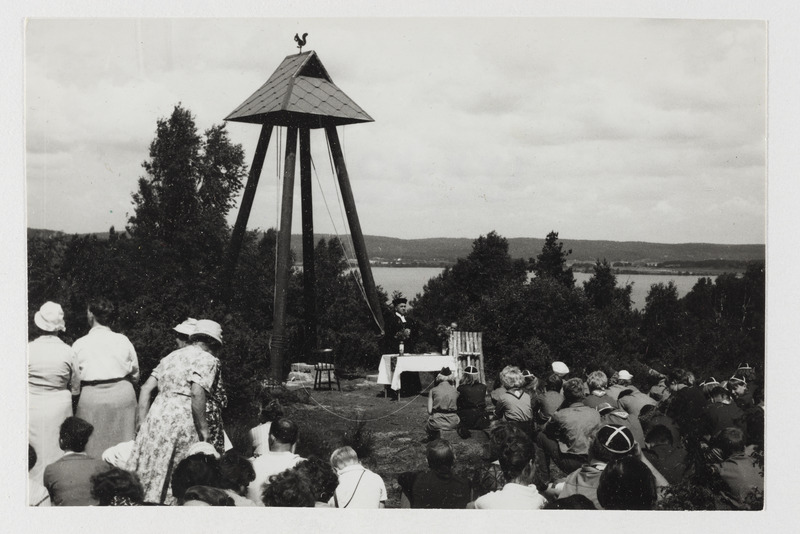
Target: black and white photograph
point(428, 261)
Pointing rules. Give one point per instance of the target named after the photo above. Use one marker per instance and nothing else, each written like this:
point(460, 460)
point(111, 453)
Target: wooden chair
point(467, 348)
point(325, 364)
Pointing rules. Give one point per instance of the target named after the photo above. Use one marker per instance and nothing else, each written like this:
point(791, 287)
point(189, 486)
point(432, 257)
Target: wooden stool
point(325, 364)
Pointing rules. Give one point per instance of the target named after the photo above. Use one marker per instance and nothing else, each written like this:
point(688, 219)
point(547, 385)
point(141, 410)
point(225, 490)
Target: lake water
point(411, 280)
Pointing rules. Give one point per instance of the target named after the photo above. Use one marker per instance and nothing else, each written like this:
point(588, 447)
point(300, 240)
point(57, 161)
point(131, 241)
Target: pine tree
point(552, 261)
point(602, 291)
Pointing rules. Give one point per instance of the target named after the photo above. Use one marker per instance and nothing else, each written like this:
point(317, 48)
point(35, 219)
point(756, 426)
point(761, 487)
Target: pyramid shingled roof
point(299, 93)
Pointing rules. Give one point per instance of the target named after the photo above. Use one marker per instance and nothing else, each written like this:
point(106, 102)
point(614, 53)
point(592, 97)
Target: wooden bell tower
point(300, 96)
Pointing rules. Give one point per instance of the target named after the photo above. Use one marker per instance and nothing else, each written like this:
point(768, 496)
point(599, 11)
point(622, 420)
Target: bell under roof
point(299, 93)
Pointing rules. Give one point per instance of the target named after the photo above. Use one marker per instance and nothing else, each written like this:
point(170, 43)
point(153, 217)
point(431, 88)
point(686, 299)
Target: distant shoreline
point(581, 269)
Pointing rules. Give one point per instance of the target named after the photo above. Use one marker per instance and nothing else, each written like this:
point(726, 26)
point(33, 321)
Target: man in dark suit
point(68, 480)
point(397, 322)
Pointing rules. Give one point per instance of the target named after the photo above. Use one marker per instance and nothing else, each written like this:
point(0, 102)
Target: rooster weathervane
point(301, 42)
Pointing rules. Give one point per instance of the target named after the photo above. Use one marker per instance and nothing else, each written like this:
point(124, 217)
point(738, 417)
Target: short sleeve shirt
point(177, 371)
point(514, 408)
point(359, 488)
point(512, 497)
point(103, 354)
point(267, 465)
point(51, 365)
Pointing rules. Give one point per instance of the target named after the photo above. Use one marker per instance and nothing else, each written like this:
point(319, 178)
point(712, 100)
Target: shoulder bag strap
point(354, 489)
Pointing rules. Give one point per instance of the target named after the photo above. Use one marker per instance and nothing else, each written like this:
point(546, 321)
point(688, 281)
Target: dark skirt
point(473, 419)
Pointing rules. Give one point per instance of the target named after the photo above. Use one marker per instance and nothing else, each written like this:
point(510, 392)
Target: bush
point(317, 441)
point(689, 495)
point(360, 439)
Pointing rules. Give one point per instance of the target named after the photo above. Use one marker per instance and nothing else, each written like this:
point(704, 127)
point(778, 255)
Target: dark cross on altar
point(300, 96)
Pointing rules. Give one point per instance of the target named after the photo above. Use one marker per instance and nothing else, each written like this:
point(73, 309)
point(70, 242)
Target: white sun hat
point(187, 327)
point(50, 317)
point(209, 328)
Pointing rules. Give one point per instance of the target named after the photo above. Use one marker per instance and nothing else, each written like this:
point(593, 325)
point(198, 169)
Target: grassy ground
point(397, 427)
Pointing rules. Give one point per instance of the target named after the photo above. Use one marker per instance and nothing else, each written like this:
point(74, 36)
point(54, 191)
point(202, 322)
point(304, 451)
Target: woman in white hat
point(183, 380)
point(218, 399)
point(52, 380)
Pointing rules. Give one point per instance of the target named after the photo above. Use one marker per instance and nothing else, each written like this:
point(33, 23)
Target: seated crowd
point(591, 442)
point(278, 477)
point(598, 442)
point(613, 447)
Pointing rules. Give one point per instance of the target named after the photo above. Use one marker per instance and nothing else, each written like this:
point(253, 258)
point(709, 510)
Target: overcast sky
point(619, 129)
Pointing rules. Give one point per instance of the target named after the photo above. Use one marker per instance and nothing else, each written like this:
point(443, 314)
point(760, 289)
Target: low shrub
point(361, 439)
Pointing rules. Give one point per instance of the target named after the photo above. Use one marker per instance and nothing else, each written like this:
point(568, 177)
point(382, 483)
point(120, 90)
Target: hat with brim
point(625, 375)
point(400, 300)
point(471, 370)
point(207, 327)
point(560, 368)
point(50, 317)
point(187, 327)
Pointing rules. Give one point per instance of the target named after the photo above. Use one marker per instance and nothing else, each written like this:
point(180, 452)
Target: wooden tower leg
point(278, 341)
point(235, 246)
point(355, 226)
point(309, 276)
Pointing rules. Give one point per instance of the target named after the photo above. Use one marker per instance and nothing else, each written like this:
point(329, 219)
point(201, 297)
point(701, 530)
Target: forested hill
point(446, 250)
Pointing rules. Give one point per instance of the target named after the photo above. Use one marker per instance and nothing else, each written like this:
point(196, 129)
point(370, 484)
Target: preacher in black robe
point(394, 322)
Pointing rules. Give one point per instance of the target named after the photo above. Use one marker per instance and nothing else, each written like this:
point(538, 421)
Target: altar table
point(413, 363)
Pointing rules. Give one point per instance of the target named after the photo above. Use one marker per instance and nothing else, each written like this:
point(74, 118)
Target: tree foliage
point(456, 294)
point(602, 289)
point(552, 261)
point(528, 323)
point(345, 322)
point(190, 184)
point(715, 327)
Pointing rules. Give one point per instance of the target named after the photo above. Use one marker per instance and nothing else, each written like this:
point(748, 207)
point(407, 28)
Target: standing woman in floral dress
point(183, 380)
